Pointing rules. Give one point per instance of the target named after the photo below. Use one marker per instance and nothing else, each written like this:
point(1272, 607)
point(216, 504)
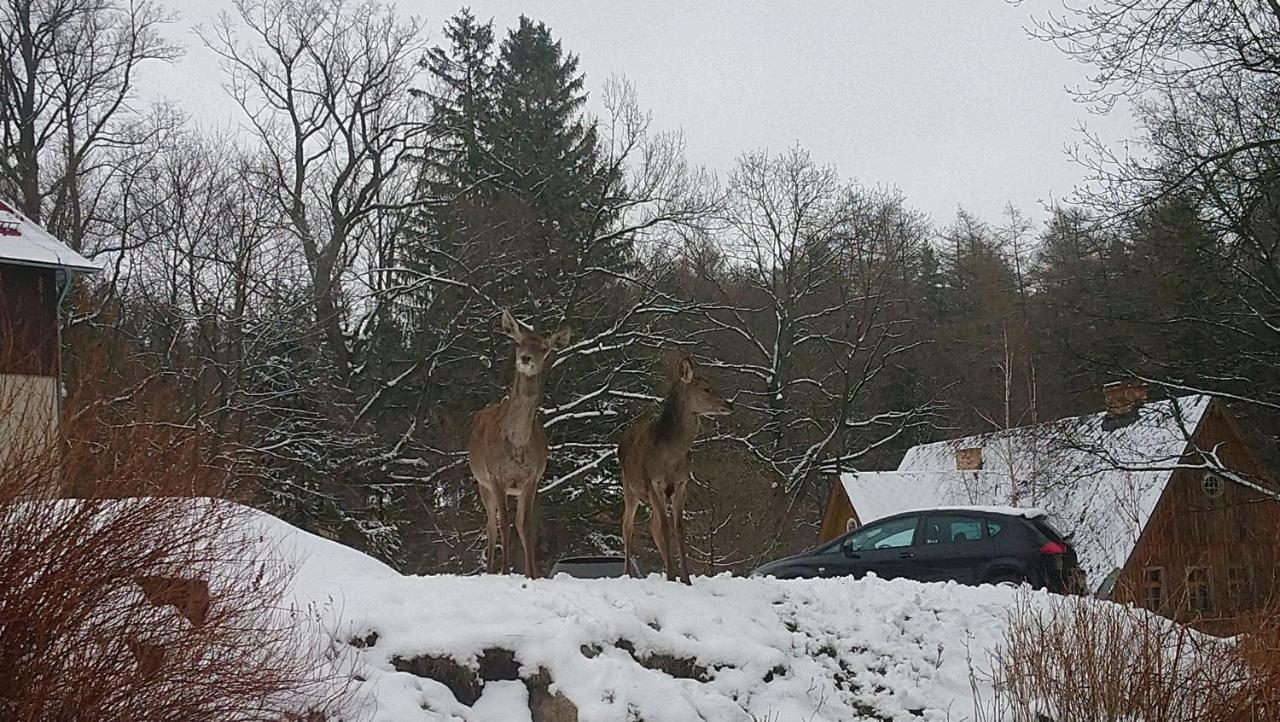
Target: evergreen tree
point(452, 230)
point(1176, 292)
point(554, 192)
point(463, 100)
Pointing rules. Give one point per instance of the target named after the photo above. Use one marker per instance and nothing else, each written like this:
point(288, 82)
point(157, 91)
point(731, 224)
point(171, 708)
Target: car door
point(952, 547)
point(884, 547)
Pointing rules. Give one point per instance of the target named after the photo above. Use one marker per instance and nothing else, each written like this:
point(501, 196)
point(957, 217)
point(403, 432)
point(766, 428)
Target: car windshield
point(885, 535)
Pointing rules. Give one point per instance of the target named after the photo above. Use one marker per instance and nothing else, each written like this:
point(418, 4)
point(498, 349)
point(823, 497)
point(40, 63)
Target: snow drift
point(508, 649)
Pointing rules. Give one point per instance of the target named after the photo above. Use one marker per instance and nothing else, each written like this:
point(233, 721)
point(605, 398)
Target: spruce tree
point(461, 103)
point(551, 180)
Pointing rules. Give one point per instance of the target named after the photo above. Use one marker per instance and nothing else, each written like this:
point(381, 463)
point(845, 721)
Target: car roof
point(1026, 513)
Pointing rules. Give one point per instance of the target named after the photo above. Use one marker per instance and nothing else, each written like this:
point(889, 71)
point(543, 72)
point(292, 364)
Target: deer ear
point(509, 325)
point(560, 339)
point(684, 370)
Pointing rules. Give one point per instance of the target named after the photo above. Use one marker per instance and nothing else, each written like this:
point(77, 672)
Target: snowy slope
point(618, 649)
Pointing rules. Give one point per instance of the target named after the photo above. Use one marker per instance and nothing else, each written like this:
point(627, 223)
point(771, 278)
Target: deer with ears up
point(508, 446)
point(655, 455)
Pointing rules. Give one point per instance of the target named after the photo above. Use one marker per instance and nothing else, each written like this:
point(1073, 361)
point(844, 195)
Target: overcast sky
point(949, 101)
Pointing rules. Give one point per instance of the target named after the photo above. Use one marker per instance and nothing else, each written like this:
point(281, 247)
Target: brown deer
point(655, 454)
point(508, 446)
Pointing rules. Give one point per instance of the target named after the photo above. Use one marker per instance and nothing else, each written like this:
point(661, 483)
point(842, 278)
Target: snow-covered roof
point(24, 243)
point(1097, 479)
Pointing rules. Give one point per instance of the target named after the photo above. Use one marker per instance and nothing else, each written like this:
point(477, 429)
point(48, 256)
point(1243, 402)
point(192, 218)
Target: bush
point(1081, 660)
point(126, 592)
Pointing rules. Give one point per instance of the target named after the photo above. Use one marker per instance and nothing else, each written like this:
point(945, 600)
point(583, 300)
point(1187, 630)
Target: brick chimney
point(969, 459)
point(1122, 398)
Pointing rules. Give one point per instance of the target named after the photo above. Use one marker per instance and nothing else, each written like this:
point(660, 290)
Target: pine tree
point(456, 163)
point(551, 181)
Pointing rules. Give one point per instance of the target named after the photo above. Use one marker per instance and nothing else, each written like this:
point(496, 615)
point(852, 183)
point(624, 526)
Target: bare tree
point(324, 85)
point(68, 71)
point(811, 311)
point(1203, 80)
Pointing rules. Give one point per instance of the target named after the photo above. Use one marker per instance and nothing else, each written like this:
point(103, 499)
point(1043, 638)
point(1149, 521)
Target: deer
point(655, 454)
point(507, 450)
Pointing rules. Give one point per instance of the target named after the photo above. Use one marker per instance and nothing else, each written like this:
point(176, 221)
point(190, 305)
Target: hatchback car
point(970, 545)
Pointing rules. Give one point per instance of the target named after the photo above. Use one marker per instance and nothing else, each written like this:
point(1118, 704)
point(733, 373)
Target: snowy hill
point(494, 648)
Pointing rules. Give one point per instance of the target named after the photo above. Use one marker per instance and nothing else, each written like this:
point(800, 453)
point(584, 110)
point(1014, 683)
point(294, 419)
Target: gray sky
point(949, 101)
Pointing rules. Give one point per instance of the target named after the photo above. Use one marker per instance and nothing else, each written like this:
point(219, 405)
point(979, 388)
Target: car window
point(1048, 529)
point(994, 527)
point(952, 529)
point(885, 535)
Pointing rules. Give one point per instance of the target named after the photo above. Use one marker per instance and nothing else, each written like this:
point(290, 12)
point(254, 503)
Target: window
point(994, 527)
point(1153, 588)
point(885, 535)
point(1237, 586)
point(1211, 483)
point(1199, 598)
point(952, 529)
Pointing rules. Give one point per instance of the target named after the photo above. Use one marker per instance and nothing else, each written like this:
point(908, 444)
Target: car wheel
point(1011, 580)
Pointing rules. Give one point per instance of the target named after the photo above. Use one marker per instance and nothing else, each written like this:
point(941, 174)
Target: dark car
point(593, 567)
point(970, 545)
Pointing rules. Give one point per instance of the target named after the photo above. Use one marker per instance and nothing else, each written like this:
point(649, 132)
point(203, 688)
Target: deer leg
point(629, 505)
point(504, 529)
point(491, 522)
point(524, 527)
point(658, 526)
point(677, 529)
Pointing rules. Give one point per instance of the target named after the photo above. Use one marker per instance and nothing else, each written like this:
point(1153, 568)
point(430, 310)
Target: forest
point(317, 295)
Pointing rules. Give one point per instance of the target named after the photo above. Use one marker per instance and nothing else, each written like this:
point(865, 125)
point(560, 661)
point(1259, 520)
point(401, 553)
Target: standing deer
point(655, 455)
point(508, 446)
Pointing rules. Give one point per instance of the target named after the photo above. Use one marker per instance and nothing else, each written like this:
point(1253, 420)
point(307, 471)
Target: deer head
point(697, 393)
point(532, 350)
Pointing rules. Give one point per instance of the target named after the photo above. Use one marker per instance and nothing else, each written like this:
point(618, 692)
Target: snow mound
point(502, 648)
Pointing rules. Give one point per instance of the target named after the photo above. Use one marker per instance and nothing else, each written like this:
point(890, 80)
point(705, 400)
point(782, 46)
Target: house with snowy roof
point(1164, 501)
point(36, 271)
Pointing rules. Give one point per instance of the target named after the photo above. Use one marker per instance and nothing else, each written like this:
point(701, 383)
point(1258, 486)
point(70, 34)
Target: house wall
point(28, 415)
point(837, 514)
point(28, 360)
point(28, 321)
point(1215, 551)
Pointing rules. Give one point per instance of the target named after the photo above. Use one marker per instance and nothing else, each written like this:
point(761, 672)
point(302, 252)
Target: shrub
point(127, 592)
point(1081, 660)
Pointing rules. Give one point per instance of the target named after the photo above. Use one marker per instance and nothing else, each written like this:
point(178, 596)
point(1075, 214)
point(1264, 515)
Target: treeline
point(318, 292)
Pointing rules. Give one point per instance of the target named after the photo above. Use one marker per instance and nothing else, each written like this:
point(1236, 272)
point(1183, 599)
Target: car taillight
point(1053, 547)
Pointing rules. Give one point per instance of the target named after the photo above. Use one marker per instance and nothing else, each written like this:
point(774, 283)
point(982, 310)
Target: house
point(36, 271)
point(1165, 502)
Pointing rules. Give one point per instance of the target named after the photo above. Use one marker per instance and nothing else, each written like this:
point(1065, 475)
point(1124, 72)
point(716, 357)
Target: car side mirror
point(848, 550)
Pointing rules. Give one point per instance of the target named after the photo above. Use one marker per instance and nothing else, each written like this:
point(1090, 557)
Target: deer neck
point(522, 408)
point(677, 424)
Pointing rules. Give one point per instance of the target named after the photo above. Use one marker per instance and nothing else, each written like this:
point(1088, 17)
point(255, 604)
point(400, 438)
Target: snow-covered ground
point(619, 649)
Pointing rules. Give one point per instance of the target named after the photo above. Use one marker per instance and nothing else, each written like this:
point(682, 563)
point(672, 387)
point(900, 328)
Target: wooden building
point(36, 271)
point(1167, 505)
